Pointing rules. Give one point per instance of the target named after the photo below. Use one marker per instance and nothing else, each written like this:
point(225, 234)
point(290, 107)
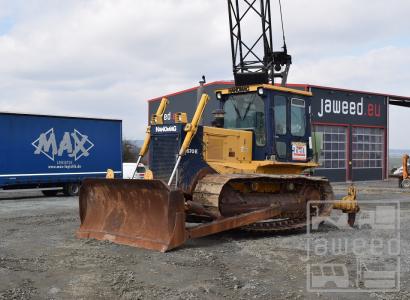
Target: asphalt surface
point(40, 258)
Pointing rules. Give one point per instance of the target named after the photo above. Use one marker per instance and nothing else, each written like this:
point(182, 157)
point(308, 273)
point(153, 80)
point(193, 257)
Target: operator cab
point(278, 117)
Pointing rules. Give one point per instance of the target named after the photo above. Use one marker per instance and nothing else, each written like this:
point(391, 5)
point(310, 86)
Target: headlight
point(219, 95)
point(260, 91)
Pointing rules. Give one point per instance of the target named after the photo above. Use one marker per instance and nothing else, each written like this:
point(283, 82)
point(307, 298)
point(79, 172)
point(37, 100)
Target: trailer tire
point(71, 189)
point(50, 193)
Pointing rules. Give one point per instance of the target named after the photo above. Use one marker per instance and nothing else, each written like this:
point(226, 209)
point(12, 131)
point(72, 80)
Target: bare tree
point(129, 151)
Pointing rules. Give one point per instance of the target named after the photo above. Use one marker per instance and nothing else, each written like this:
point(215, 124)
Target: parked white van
point(128, 170)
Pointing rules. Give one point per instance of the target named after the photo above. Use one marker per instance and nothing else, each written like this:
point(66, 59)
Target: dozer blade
point(139, 213)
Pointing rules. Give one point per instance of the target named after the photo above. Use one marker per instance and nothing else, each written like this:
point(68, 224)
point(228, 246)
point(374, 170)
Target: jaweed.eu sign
point(348, 107)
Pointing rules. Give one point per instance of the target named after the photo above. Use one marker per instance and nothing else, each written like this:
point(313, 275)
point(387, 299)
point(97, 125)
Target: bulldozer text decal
point(192, 151)
point(299, 151)
point(162, 129)
point(344, 107)
point(74, 144)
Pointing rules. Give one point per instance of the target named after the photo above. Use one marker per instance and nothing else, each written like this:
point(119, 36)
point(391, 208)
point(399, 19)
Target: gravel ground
point(40, 258)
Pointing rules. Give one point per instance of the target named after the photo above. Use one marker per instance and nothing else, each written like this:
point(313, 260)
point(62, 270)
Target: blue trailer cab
point(40, 151)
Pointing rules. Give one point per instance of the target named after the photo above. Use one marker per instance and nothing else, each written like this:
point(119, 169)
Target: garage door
point(333, 163)
point(367, 153)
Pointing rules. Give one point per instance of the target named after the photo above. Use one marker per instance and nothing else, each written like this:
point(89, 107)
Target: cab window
point(280, 115)
point(298, 117)
point(247, 112)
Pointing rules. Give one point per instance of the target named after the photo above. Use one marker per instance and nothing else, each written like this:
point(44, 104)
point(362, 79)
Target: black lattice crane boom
point(255, 61)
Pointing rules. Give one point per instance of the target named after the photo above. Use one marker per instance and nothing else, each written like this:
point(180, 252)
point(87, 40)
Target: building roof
point(220, 82)
point(393, 99)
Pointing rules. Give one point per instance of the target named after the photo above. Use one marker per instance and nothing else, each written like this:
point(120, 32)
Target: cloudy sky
point(105, 58)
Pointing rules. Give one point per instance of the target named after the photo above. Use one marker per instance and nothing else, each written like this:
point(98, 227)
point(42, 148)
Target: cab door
point(299, 129)
point(291, 128)
point(280, 127)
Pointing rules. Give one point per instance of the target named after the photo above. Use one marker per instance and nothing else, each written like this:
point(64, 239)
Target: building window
point(367, 147)
point(333, 153)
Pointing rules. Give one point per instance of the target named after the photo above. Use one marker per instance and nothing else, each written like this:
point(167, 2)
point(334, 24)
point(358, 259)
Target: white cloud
point(383, 70)
point(105, 58)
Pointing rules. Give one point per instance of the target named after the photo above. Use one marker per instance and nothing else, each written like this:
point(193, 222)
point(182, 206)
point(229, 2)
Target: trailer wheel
point(71, 189)
point(50, 193)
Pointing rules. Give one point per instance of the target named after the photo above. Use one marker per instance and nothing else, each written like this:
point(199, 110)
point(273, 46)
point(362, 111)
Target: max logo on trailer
point(75, 144)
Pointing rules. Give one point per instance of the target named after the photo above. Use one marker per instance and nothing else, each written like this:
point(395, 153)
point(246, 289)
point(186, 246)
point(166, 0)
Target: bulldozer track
point(289, 224)
point(211, 186)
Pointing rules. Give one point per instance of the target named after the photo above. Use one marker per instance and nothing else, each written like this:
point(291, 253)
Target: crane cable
point(283, 29)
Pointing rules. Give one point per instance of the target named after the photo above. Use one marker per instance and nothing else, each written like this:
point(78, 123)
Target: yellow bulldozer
point(248, 170)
